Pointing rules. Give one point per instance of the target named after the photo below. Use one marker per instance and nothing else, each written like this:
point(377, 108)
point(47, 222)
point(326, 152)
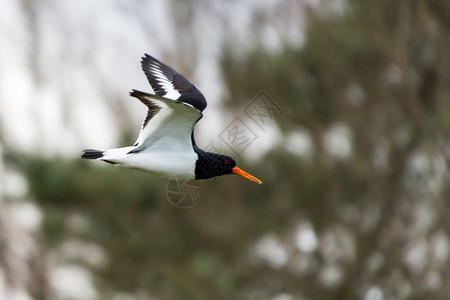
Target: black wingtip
point(147, 56)
point(92, 154)
point(146, 59)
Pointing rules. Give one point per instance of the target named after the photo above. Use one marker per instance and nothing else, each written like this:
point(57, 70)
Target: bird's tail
point(92, 154)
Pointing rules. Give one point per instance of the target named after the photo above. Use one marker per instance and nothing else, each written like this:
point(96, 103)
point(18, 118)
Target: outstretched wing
point(167, 82)
point(168, 123)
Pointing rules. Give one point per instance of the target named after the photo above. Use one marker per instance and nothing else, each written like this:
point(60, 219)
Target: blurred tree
point(379, 73)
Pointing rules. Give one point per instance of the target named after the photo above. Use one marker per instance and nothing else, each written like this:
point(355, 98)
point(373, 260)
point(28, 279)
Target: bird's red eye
point(226, 161)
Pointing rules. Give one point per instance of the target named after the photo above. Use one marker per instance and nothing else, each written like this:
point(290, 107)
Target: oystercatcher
point(166, 146)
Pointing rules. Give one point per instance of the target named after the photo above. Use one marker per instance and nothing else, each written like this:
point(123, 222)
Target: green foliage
point(66, 187)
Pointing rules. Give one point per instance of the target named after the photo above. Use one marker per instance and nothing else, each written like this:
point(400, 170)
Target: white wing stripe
point(170, 90)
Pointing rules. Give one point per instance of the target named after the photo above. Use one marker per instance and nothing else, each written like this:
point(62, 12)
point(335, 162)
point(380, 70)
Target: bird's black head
point(211, 165)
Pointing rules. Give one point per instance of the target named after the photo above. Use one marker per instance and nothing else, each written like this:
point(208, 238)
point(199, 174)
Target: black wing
point(168, 83)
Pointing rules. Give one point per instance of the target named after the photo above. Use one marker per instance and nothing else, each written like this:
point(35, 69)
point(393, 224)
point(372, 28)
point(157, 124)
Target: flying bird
point(166, 146)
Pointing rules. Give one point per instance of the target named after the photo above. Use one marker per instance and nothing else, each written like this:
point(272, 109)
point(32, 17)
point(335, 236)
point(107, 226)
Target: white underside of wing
point(170, 129)
point(155, 123)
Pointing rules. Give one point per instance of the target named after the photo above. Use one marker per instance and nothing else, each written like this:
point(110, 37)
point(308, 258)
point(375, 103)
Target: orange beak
point(244, 174)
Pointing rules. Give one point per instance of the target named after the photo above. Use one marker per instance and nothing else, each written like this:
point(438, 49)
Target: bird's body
point(166, 164)
point(166, 146)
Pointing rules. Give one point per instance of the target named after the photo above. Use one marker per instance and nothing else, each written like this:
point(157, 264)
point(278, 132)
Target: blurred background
point(355, 166)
